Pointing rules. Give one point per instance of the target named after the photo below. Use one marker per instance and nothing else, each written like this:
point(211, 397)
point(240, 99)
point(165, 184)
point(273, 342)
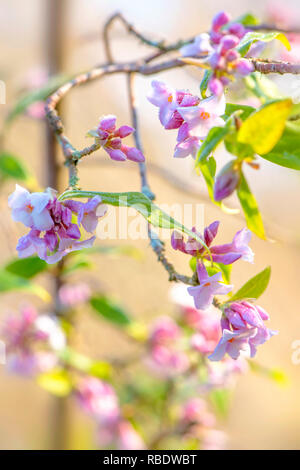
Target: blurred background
point(263, 414)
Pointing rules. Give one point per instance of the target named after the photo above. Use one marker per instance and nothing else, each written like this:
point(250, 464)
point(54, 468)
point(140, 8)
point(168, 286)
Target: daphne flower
point(203, 117)
point(111, 139)
point(67, 246)
point(168, 100)
point(201, 46)
point(233, 343)
point(238, 246)
point(30, 209)
point(243, 330)
point(89, 212)
point(208, 287)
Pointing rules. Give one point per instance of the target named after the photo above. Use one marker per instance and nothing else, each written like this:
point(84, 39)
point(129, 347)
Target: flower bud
point(219, 20)
point(244, 67)
point(216, 86)
point(229, 42)
point(227, 181)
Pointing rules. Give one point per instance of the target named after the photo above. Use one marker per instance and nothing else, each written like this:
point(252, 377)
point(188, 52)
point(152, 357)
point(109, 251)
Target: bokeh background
point(263, 414)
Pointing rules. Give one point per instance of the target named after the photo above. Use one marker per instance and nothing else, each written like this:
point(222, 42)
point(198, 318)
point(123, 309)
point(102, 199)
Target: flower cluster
point(203, 328)
point(179, 109)
point(53, 233)
point(218, 48)
point(242, 323)
point(99, 400)
point(243, 329)
point(31, 340)
point(109, 137)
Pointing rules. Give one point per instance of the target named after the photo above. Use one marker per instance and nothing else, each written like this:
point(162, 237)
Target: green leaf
point(11, 167)
point(37, 95)
point(212, 140)
point(9, 282)
point(216, 268)
point(141, 203)
point(254, 287)
point(204, 82)
point(254, 36)
point(247, 20)
point(245, 110)
point(263, 129)
point(26, 267)
point(57, 382)
point(287, 150)
point(110, 310)
point(250, 208)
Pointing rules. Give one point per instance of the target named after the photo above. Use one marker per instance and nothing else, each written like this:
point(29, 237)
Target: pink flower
point(110, 138)
point(204, 116)
point(201, 46)
point(164, 330)
point(88, 213)
point(226, 254)
point(238, 246)
point(243, 330)
point(72, 295)
point(30, 209)
point(99, 400)
point(168, 100)
point(29, 341)
point(53, 232)
point(208, 287)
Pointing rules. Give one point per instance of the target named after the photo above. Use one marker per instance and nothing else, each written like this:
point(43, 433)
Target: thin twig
point(137, 137)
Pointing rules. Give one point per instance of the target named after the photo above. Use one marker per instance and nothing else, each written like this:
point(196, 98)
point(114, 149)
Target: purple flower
point(168, 100)
point(238, 246)
point(202, 117)
point(30, 209)
point(227, 181)
point(53, 232)
point(243, 330)
point(110, 138)
point(226, 254)
point(200, 47)
point(88, 213)
point(67, 246)
point(208, 287)
point(29, 343)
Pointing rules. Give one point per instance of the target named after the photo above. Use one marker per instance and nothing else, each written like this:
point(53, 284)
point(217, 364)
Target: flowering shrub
point(186, 361)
